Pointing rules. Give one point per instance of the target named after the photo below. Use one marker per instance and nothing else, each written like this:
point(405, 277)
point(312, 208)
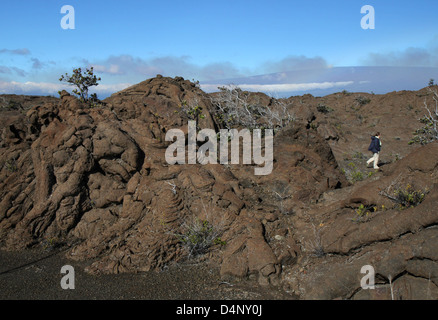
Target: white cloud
point(410, 57)
point(107, 89)
point(284, 87)
point(111, 69)
point(294, 63)
point(48, 88)
point(30, 87)
point(171, 66)
point(125, 70)
point(103, 90)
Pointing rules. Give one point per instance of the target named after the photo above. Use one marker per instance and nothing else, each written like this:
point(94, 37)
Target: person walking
point(374, 147)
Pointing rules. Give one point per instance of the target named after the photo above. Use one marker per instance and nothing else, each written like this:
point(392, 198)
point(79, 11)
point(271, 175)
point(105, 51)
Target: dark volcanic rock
point(96, 181)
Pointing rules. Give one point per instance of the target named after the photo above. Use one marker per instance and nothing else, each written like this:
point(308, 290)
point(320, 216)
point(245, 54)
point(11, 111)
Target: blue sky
point(130, 41)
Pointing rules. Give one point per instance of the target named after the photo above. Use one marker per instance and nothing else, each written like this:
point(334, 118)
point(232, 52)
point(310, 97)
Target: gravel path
point(36, 275)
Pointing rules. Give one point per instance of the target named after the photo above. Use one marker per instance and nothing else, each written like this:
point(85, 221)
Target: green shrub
point(359, 155)
point(428, 133)
point(11, 165)
point(323, 108)
point(405, 197)
point(193, 112)
point(409, 197)
point(363, 212)
point(51, 243)
point(357, 175)
point(361, 100)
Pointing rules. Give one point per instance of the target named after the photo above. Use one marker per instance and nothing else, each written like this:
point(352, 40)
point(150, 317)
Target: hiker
point(375, 149)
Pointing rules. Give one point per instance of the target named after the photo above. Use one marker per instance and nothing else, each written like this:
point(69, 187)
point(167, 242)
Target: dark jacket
point(374, 145)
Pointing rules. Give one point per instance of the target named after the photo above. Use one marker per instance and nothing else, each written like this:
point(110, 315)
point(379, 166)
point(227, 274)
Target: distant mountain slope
point(320, 82)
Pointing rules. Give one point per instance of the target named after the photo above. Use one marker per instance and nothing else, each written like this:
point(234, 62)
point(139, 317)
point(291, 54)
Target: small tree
point(82, 81)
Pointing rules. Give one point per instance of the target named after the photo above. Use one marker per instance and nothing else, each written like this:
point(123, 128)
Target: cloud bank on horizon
point(285, 47)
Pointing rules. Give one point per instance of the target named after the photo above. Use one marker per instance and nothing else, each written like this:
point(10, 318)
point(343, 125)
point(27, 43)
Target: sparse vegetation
point(234, 107)
point(323, 108)
point(196, 83)
point(363, 212)
point(396, 157)
point(281, 197)
point(193, 111)
point(354, 172)
point(9, 105)
point(357, 176)
point(199, 236)
point(11, 165)
point(429, 132)
point(361, 100)
point(358, 155)
point(408, 196)
point(404, 196)
point(315, 247)
point(50, 243)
